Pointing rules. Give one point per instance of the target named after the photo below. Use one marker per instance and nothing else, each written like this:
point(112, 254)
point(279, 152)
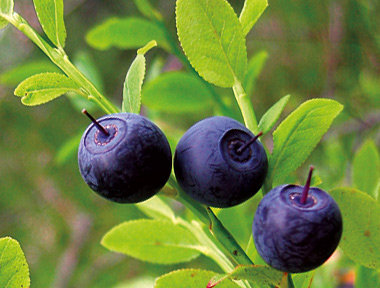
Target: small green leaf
point(148, 10)
point(6, 10)
point(361, 226)
point(14, 271)
point(260, 276)
point(19, 73)
point(190, 278)
point(255, 65)
point(50, 15)
point(132, 85)
point(127, 33)
point(176, 92)
point(153, 241)
point(134, 80)
point(212, 38)
point(366, 277)
point(366, 168)
point(156, 208)
point(296, 137)
point(272, 115)
point(252, 10)
point(42, 88)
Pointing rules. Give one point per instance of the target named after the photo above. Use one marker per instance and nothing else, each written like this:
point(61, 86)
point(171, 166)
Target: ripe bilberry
point(124, 157)
point(219, 162)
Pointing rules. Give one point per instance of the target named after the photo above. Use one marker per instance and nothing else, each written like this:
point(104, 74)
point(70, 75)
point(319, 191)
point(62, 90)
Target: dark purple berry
point(219, 163)
point(296, 228)
point(124, 157)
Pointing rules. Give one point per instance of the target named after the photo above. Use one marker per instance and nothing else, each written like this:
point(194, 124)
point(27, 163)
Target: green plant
point(219, 57)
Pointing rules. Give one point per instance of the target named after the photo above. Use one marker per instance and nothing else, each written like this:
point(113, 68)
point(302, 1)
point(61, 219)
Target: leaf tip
point(147, 47)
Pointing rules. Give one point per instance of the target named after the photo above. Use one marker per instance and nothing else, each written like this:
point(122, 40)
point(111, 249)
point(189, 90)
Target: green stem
point(245, 106)
point(212, 250)
point(219, 231)
point(290, 281)
point(227, 240)
point(59, 58)
point(195, 207)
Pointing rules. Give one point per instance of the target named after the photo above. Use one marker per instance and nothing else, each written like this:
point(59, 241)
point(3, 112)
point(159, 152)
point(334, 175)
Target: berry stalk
point(306, 188)
point(245, 146)
point(96, 123)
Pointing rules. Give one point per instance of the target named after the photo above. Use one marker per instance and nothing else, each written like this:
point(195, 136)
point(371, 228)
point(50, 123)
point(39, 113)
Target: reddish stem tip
point(96, 123)
point(307, 186)
point(242, 148)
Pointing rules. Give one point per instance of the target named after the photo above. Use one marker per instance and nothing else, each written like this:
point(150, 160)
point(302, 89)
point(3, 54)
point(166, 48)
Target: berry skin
point(130, 164)
point(209, 167)
point(293, 235)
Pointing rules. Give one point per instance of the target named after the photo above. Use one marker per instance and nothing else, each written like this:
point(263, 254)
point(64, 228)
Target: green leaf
point(42, 88)
point(260, 276)
point(361, 226)
point(366, 168)
point(255, 65)
point(19, 73)
point(50, 15)
point(3, 22)
point(212, 38)
point(156, 208)
point(303, 280)
point(6, 10)
point(141, 282)
point(272, 115)
point(14, 271)
point(148, 10)
point(190, 278)
point(126, 33)
point(252, 10)
point(153, 241)
point(176, 92)
point(296, 137)
point(134, 80)
point(366, 277)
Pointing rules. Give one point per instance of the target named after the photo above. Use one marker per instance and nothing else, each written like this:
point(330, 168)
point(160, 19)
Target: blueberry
point(297, 228)
point(218, 162)
point(129, 162)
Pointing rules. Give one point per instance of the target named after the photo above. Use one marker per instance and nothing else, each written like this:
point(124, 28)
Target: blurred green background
point(315, 49)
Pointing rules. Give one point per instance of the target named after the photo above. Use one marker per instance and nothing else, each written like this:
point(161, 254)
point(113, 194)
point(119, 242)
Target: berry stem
point(96, 123)
point(245, 146)
point(307, 186)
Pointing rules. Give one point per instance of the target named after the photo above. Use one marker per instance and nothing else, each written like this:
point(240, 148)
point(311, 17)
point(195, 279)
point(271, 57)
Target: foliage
point(219, 52)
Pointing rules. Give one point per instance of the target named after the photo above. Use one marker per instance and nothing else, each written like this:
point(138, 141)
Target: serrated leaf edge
point(14, 241)
point(228, 62)
point(340, 108)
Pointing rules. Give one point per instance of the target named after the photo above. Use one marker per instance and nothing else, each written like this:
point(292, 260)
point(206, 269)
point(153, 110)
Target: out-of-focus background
point(314, 49)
